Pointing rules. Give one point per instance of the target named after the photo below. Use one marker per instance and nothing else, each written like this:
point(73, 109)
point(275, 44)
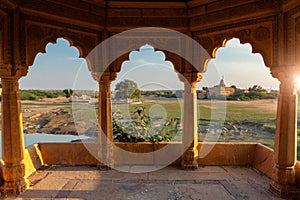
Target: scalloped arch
point(265, 51)
point(178, 63)
point(38, 37)
point(260, 37)
point(41, 47)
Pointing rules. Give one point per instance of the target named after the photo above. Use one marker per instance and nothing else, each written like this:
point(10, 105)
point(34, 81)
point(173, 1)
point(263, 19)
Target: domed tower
point(222, 83)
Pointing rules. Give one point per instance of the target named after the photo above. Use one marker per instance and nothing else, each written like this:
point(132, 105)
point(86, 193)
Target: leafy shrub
point(139, 129)
point(26, 95)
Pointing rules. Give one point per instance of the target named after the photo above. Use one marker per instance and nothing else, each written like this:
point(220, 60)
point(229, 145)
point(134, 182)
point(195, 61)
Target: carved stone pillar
point(286, 138)
point(189, 159)
point(13, 170)
point(105, 135)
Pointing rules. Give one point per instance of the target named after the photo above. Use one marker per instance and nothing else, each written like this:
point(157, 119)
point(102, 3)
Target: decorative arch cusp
point(180, 65)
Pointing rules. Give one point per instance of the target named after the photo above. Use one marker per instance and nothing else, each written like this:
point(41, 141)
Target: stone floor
point(212, 183)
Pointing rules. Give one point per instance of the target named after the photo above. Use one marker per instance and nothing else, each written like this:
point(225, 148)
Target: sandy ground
point(48, 116)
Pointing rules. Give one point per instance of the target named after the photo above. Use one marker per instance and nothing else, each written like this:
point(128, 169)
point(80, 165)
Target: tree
point(68, 92)
point(136, 94)
point(256, 88)
point(234, 87)
point(124, 89)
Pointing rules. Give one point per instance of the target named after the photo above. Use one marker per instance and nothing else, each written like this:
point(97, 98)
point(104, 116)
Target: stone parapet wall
point(233, 154)
point(227, 153)
point(222, 154)
point(33, 159)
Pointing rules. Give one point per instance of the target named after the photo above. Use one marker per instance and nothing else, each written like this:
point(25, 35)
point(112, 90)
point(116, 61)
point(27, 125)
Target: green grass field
point(262, 112)
point(232, 110)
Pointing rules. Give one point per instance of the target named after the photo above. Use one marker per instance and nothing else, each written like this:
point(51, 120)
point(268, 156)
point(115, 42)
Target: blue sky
point(60, 67)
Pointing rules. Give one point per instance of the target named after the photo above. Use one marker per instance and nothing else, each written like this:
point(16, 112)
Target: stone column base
point(285, 191)
point(14, 180)
point(105, 157)
point(284, 184)
point(189, 159)
point(102, 166)
point(14, 187)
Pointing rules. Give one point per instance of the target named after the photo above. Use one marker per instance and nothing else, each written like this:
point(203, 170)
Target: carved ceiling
point(85, 23)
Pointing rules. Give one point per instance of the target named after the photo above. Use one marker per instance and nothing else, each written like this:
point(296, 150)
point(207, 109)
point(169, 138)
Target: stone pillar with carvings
point(13, 170)
point(285, 150)
point(189, 159)
point(105, 135)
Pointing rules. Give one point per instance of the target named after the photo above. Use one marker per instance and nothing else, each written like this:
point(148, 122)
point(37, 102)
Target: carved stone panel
point(292, 39)
point(1, 39)
point(297, 41)
point(258, 34)
point(125, 23)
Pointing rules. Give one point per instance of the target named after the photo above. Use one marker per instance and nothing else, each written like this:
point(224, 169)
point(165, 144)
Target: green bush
point(52, 95)
point(139, 129)
point(26, 95)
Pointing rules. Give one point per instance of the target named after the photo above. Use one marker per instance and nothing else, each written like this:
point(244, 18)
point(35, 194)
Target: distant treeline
point(40, 94)
point(239, 94)
point(252, 95)
point(164, 93)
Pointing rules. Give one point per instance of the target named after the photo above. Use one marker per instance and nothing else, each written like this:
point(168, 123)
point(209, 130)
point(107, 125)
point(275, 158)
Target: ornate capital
point(191, 78)
point(13, 71)
point(288, 79)
point(104, 76)
point(286, 73)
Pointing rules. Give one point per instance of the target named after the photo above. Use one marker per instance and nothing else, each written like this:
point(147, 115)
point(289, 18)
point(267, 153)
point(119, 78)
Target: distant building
point(216, 91)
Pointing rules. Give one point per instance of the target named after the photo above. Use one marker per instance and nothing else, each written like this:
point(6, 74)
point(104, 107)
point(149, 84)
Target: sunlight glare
point(298, 82)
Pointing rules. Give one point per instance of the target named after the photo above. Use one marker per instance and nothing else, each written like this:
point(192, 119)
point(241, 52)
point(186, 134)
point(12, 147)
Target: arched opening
point(147, 92)
point(47, 91)
point(251, 92)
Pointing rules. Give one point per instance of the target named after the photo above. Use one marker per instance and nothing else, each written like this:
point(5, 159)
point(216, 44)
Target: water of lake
point(30, 139)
